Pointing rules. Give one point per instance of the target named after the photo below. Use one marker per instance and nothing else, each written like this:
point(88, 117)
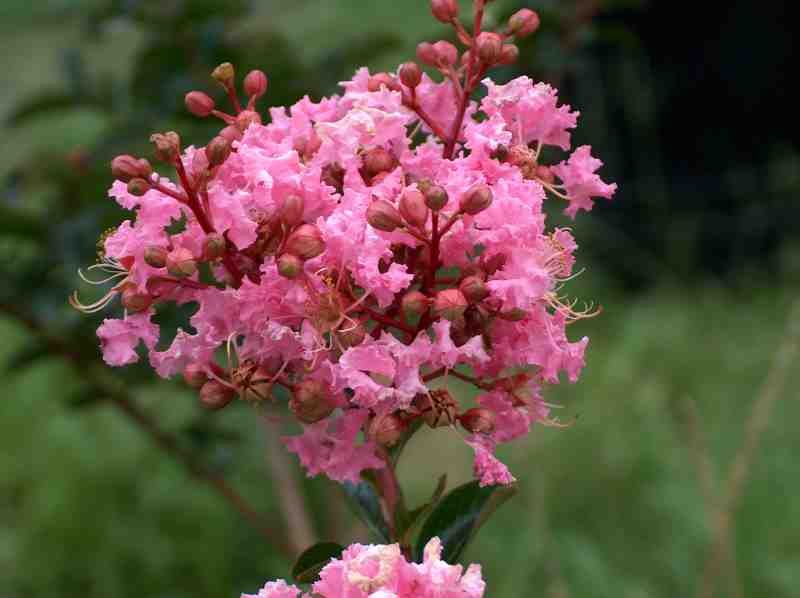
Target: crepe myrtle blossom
point(381, 571)
point(356, 254)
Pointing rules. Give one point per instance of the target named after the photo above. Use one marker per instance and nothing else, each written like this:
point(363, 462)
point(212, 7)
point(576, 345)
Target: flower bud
point(413, 208)
point(155, 256)
point(333, 176)
point(383, 216)
point(474, 289)
point(414, 303)
point(438, 408)
point(181, 263)
point(125, 168)
point(489, 46)
point(199, 103)
point(386, 429)
point(410, 74)
point(476, 200)
point(494, 263)
point(218, 150)
point(378, 160)
point(224, 74)
point(435, 197)
point(446, 53)
point(214, 246)
point(231, 133)
point(292, 210)
point(352, 336)
point(215, 395)
point(509, 55)
point(444, 10)
point(382, 80)
point(195, 375)
point(138, 187)
point(523, 22)
point(478, 420)
point(289, 266)
point(449, 304)
point(311, 402)
point(167, 146)
point(305, 242)
point(134, 301)
point(247, 118)
point(255, 84)
point(426, 53)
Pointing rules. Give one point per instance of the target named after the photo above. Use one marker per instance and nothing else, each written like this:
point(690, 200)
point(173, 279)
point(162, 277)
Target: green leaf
point(459, 515)
point(367, 505)
point(407, 524)
point(313, 559)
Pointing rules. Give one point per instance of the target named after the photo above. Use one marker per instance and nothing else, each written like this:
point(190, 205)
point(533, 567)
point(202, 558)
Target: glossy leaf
point(312, 560)
point(367, 505)
point(459, 515)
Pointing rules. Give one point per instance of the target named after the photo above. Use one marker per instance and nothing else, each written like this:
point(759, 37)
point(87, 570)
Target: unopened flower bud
point(195, 375)
point(509, 55)
point(167, 146)
point(426, 54)
point(494, 263)
point(514, 315)
point(311, 402)
point(489, 46)
point(214, 246)
point(231, 133)
point(413, 208)
point(125, 168)
point(215, 395)
point(218, 150)
point(292, 210)
point(378, 160)
point(435, 197)
point(224, 74)
point(382, 80)
point(523, 22)
point(199, 103)
point(181, 263)
point(449, 304)
point(333, 176)
point(155, 256)
point(384, 216)
point(446, 53)
point(247, 118)
point(478, 420)
point(255, 84)
point(305, 242)
point(289, 266)
point(414, 303)
point(444, 10)
point(410, 74)
point(138, 187)
point(386, 429)
point(474, 289)
point(134, 301)
point(476, 200)
point(438, 408)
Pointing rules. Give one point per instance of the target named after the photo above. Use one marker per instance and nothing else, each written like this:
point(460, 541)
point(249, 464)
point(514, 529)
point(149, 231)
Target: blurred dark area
point(695, 260)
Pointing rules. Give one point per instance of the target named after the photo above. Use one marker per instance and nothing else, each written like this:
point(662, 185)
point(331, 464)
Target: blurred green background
point(695, 264)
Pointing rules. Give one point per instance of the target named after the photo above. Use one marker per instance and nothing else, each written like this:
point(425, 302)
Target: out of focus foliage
point(691, 111)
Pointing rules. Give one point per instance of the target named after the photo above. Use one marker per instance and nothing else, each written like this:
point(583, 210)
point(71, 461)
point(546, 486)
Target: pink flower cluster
point(380, 571)
point(360, 252)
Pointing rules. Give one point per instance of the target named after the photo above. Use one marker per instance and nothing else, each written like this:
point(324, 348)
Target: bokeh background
point(117, 484)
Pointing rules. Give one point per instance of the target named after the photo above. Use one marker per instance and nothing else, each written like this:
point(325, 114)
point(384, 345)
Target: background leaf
point(313, 559)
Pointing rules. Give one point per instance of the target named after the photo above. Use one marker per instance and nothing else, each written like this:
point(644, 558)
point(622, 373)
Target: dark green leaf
point(411, 519)
point(313, 559)
point(26, 356)
point(367, 506)
point(457, 518)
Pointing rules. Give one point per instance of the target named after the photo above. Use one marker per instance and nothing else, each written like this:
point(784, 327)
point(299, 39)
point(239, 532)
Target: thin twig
point(739, 471)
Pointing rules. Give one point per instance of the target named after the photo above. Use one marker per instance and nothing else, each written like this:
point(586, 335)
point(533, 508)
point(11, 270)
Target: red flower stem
point(386, 321)
point(167, 191)
point(234, 98)
point(224, 117)
point(456, 374)
point(412, 104)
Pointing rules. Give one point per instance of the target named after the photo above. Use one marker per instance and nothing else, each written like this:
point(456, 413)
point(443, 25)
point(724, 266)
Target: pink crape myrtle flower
point(347, 258)
point(381, 571)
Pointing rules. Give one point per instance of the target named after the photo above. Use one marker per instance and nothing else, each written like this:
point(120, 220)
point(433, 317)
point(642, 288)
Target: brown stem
point(121, 399)
point(437, 130)
point(386, 321)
